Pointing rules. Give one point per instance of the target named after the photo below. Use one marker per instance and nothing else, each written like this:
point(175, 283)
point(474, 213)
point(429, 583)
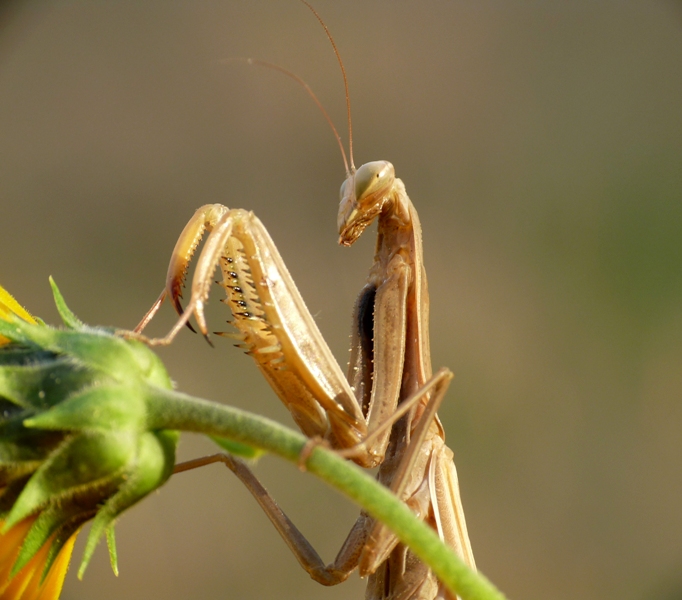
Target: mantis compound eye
point(372, 180)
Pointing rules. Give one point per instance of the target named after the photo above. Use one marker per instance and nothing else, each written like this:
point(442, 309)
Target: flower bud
point(75, 444)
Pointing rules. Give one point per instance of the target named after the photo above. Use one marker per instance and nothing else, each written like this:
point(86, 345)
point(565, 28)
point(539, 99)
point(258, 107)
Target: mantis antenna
point(345, 86)
point(264, 63)
point(350, 169)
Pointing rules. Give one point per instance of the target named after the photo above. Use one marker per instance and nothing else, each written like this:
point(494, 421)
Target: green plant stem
point(174, 410)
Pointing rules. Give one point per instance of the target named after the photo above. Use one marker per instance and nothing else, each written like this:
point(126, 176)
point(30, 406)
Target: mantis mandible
point(383, 412)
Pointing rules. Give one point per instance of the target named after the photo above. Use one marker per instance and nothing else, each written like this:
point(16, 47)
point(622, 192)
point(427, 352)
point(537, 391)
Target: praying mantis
point(382, 413)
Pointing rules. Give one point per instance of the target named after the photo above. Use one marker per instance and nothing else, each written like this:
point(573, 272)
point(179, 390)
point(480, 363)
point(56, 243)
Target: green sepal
point(65, 518)
point(102, 523)
point(97, 347)
point(111, 546)
point(12, 354)
point(154, 465)
point(45, 382)
point(237, 448)
point(63, 535)
point(101, 408)
point(20, 448)
point(16, 471)
point(10, 492)
point(89, 465)
point(12, 328)
point(67, 316)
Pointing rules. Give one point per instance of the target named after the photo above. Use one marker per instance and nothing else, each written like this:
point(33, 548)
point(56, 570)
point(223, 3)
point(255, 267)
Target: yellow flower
point(31, 582)
point(76, 444)
point(8, 306)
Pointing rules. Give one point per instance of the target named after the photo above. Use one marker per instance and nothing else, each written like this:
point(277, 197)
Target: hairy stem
point(174, 410)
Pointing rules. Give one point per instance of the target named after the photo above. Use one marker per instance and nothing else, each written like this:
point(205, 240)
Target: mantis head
point(363, 195)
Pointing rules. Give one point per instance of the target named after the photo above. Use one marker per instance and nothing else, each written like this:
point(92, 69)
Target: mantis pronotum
point(389, 370)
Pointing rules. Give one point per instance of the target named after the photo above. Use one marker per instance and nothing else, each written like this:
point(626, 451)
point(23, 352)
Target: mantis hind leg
point(369, 543)
point(301, 548)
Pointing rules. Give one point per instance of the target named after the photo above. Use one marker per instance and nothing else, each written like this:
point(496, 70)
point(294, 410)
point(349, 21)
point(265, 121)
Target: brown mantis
point(383, 412)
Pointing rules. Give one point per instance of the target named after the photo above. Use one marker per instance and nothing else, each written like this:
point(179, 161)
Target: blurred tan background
point(542, 145)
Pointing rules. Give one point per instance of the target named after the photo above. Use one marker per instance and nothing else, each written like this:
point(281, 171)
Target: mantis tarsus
point(389, 370)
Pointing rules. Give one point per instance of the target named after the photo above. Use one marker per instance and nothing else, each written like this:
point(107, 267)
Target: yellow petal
point(8, 306)
point(52, 585)
point(10, 544)
point(28, 584)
